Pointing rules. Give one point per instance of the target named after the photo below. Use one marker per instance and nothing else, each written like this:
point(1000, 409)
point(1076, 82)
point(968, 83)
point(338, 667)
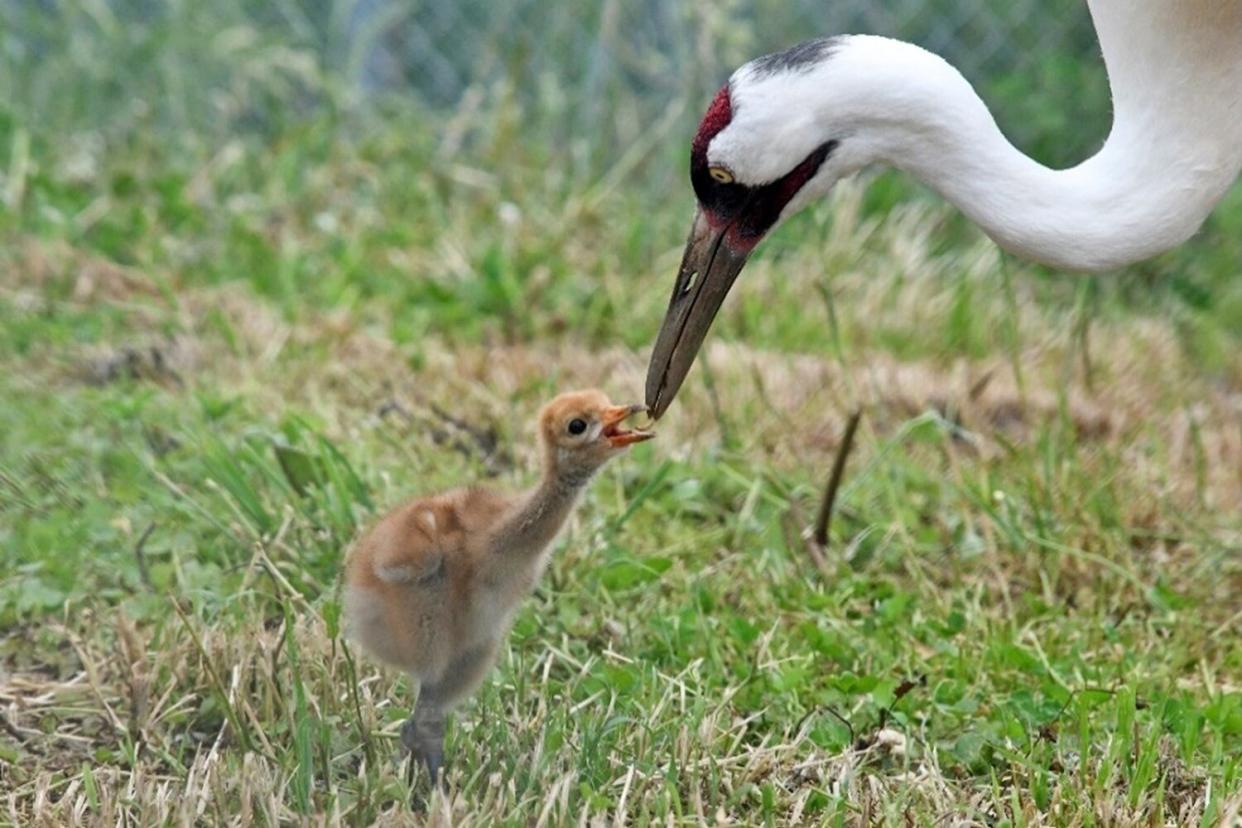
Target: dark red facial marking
point(718, 116)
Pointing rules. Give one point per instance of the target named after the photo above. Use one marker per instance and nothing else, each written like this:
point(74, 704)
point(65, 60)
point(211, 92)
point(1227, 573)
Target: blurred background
point(596, 74)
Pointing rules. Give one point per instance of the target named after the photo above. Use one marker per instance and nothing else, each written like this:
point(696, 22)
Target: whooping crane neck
point(1174, 149)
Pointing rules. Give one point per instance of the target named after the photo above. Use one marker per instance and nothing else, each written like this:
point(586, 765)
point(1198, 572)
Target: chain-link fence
point(600, 55)
point(601, 71)
point(442, 47)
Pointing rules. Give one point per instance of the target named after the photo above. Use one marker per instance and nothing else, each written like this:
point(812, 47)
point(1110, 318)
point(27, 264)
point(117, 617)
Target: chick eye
point(577, 426)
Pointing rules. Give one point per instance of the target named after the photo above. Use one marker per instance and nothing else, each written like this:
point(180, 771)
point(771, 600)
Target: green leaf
point(301, 469)
point(631, 572)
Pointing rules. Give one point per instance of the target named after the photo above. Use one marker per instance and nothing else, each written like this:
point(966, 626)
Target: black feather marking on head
point(799, 58)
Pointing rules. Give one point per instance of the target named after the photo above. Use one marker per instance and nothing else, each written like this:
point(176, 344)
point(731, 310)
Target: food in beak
point(616, 433)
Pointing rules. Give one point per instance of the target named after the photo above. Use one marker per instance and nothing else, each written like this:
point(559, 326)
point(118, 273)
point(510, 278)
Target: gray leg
point(423, 733)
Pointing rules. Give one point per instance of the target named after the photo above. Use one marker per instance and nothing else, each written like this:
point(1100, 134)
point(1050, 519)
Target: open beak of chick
point(615, 433)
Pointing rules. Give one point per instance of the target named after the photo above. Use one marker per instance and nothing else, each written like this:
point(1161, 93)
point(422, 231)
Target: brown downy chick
point(431, 589)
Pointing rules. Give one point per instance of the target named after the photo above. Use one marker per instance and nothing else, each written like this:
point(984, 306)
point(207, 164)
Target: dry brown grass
point(127, 690)
point(1180, 434)
point(188, 721)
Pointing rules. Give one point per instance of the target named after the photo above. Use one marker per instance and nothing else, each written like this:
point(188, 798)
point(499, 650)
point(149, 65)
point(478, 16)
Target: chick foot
point(425, 742)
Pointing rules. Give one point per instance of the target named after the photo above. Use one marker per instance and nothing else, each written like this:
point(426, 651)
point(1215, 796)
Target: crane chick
point(432, 588)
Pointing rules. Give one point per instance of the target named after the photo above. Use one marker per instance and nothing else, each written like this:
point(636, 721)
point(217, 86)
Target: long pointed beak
point(611, 420)
point(708, 269)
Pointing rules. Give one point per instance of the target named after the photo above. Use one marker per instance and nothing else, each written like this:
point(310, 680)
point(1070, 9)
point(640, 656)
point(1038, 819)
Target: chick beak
point(615, 433)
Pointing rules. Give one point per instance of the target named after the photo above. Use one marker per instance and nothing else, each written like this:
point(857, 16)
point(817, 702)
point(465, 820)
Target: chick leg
point(423, 732)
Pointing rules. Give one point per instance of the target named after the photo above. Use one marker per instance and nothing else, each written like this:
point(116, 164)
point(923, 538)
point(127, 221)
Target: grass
point(222, 359)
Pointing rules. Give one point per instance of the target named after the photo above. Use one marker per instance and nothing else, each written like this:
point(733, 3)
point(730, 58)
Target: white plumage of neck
point(1175, 147)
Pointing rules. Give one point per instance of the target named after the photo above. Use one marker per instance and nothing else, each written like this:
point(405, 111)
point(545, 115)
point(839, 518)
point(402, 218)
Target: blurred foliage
point(591, 77)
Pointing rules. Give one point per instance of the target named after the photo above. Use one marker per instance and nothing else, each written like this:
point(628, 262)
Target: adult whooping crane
point(788, 126)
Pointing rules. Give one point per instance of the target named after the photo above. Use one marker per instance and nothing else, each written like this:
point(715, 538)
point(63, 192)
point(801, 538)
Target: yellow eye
point(721, 174)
